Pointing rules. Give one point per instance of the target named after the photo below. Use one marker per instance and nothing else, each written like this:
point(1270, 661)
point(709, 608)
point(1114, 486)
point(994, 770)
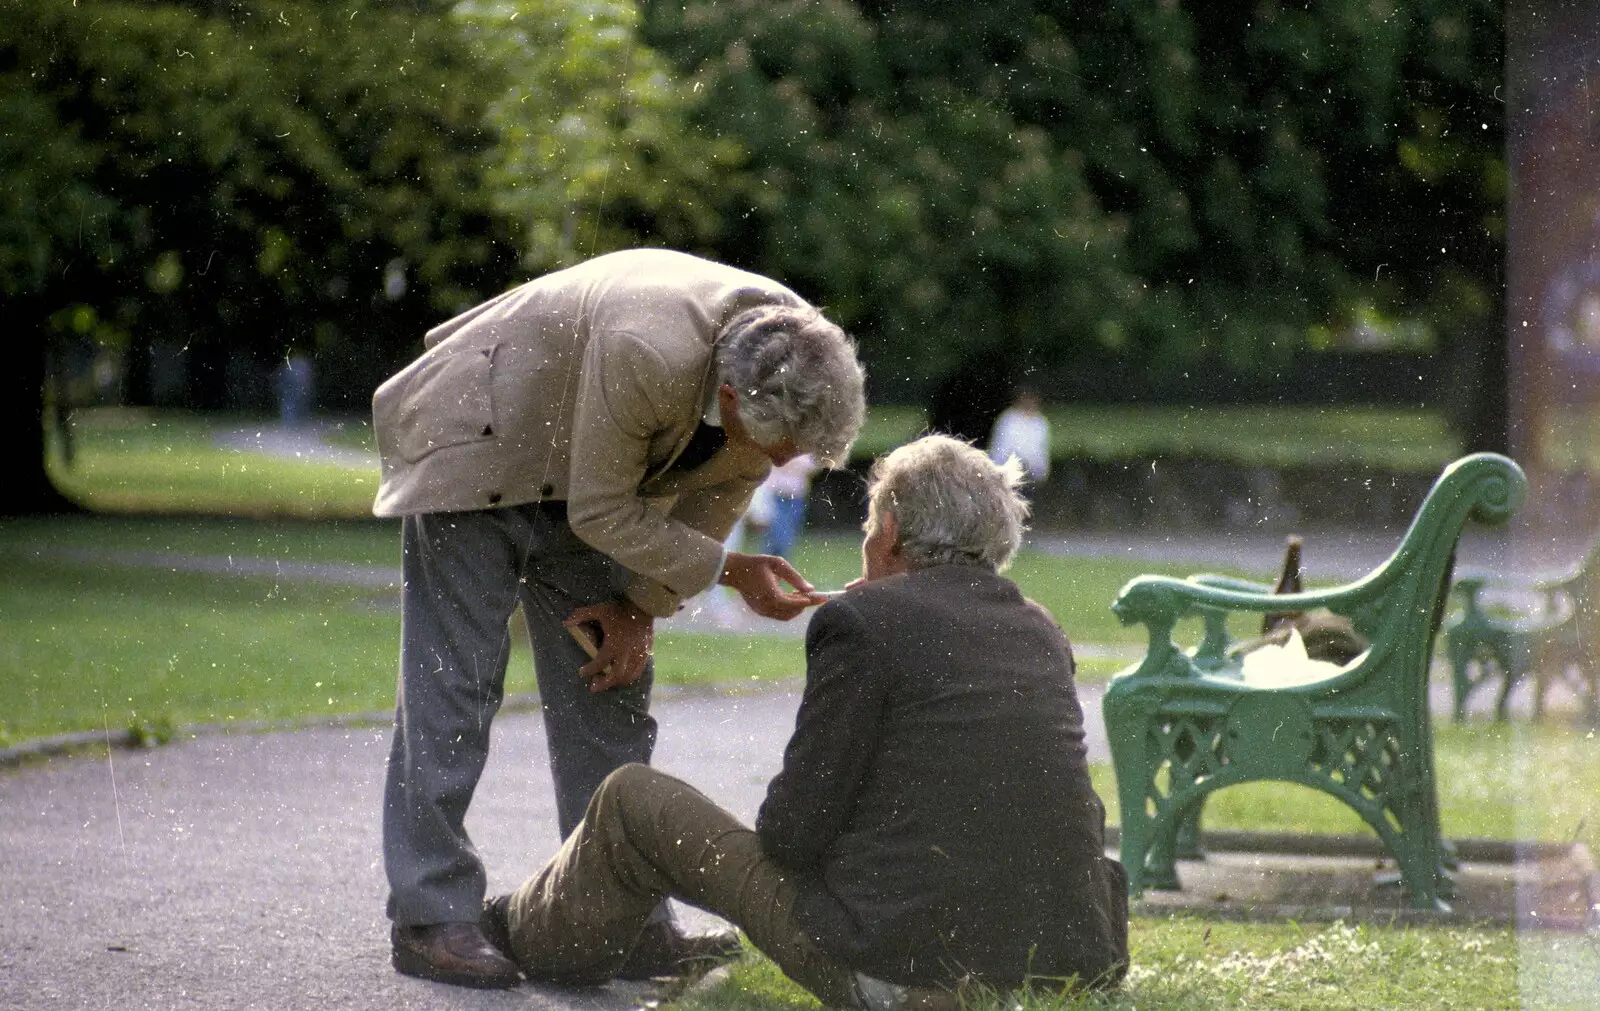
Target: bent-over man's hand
point(627, 641)
point(759, 578)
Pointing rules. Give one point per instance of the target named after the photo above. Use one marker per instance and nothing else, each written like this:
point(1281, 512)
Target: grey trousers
point(646, 836)
point(464, 575)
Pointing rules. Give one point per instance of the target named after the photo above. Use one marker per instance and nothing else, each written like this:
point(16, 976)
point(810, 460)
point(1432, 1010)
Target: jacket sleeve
point(712, 511)
point(625, 390)
point(810, 802)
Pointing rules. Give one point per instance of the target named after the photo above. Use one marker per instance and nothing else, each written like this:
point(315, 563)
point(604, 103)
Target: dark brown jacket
point(935, 796)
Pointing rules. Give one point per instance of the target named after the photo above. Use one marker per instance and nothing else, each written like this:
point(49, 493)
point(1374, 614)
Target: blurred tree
point(235, 178)
point(1185, 185)
point(239, 178)
point(592, 150)
point(298, 165)
point(890, 182)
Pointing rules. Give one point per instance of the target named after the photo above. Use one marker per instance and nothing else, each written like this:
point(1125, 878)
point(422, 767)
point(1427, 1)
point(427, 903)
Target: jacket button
point(547, 491)
point(494, 498)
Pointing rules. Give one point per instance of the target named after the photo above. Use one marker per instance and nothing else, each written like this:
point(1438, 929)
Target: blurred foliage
point(257, 179)
point(592, 148)
point(245, 176)
point(1180, 182)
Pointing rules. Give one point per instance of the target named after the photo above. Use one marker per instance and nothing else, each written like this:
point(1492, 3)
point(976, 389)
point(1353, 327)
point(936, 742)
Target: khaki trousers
point(645, 836)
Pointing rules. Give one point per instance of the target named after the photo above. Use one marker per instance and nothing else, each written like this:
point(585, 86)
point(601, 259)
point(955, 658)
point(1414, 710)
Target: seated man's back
point(933, 824)
point(936, 792)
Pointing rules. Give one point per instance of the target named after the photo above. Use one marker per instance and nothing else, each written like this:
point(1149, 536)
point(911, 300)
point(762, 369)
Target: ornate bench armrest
point(1229, 583)
point(1165, 599)
point(1159, 602)
point(1212, 653)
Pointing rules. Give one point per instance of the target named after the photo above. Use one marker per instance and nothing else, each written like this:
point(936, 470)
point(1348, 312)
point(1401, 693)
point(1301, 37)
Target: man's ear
point(891, 530)
point(728, 413)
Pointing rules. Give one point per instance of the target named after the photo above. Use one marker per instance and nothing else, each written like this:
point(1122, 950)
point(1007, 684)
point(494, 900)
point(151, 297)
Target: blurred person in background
point(295, 382)
point(787, 490)
point(1022, 431)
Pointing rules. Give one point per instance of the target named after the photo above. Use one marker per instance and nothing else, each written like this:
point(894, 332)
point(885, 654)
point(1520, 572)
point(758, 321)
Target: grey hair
point(797, 377)
point(952, 503)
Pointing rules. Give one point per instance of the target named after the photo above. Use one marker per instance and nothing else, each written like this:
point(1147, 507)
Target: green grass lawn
point(105, 620)
point(143, 461)
point(1390, 437)
point(88, 640)
point(1187, 963)
point(1183, 963)
point(1396, 438)
point(1496, 781)
point(1401, 438)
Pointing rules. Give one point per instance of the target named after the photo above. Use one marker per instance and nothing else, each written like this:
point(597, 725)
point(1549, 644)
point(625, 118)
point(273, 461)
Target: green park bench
point(1557, 642)
point(1185, 723)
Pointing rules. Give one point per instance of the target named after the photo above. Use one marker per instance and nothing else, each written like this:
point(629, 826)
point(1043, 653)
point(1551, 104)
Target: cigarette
point(827, 594)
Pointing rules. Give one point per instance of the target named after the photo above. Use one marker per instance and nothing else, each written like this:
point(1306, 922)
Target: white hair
point(797, 377)
point(951, 502)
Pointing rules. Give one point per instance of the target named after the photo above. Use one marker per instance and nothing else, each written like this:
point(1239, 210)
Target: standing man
point(933, 827)
point(579, 445)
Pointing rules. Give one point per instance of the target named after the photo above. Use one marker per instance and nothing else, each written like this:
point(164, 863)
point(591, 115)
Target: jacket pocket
point(447, 401)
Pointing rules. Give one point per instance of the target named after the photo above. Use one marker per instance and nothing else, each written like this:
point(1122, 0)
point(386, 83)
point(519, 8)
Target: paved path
point(300, 442)
point(243, 871)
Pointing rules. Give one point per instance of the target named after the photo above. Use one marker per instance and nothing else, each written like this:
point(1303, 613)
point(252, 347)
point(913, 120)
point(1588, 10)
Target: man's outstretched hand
point(759, 579)
point(627, 639)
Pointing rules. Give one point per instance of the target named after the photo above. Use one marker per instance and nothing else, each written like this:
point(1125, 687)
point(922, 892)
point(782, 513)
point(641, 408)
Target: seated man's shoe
point(496, 924)
point(663, 951)
point(456, 953)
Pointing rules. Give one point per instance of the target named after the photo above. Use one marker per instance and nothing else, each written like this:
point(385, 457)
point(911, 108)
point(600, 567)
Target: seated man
point(933, 826)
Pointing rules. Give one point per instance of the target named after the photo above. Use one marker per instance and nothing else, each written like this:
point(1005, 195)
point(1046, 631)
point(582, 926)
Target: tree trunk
point(29, 490)
point(1478, 406)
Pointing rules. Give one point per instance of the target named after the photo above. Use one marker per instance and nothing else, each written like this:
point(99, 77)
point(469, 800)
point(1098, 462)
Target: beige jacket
point(583, 385)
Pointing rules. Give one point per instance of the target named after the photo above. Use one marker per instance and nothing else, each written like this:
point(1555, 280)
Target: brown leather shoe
point(455, 953)
point(496, 924)
point(663, 951)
